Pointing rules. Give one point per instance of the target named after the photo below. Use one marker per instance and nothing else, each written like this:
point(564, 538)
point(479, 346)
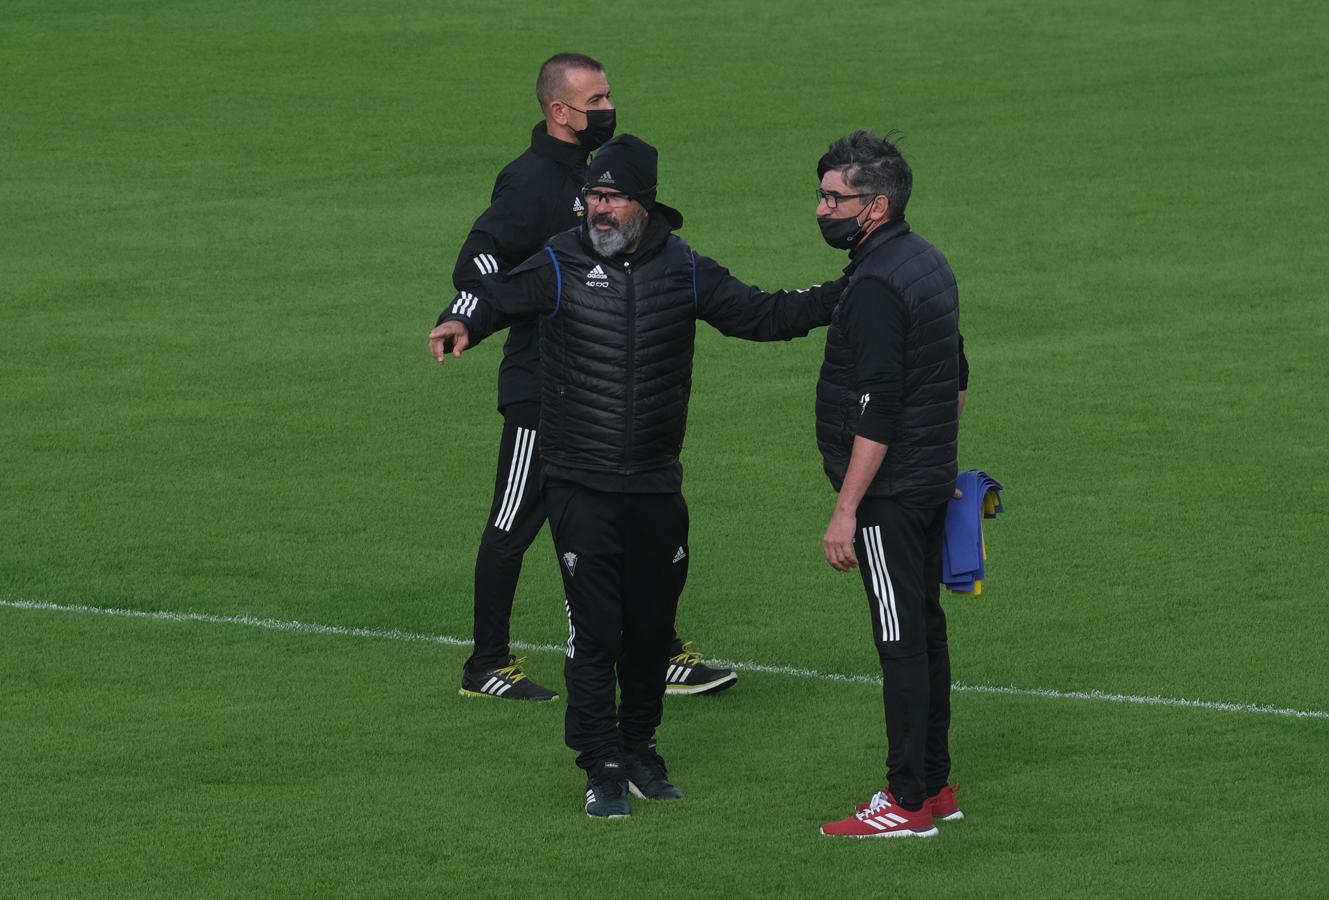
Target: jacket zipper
point(630, 385)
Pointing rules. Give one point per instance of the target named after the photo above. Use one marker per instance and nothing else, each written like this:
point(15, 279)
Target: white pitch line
point(395, 634)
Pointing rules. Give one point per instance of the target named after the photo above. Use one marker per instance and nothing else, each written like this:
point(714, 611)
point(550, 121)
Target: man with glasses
point(535, 197)
point(888, 406)
point(619, 298)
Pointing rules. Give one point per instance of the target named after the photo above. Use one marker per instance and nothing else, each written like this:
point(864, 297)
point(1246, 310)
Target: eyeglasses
point(833, 200)
point(613, 200)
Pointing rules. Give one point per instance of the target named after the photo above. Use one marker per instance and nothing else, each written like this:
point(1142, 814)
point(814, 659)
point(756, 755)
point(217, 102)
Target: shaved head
point(552, 83)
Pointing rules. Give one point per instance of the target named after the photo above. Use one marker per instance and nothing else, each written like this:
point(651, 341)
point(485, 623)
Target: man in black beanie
point(620, 296)
point(536, 196)
point(635, 161)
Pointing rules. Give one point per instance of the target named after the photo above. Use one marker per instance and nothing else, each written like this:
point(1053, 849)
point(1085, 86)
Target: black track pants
point(515, 518)
point(899, 558)
point(625, 560)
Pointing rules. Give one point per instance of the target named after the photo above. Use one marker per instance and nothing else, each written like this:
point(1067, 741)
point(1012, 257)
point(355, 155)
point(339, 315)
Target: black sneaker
point(687, 674)
point(647, 776)
point(607, 792)
point(506, 683)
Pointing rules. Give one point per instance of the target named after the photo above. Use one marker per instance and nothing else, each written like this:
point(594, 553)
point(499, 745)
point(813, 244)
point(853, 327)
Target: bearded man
point(619, 298)
point(536, 196)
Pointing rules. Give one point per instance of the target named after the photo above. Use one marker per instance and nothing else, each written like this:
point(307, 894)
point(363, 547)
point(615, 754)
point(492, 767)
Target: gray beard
point(612, 243)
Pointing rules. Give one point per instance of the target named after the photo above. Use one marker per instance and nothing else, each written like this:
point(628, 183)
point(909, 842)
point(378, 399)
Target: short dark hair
point(553, 75)
point(873, 165)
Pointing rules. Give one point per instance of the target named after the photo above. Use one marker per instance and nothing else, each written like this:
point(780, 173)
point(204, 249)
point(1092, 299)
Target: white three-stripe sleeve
point(465, 304)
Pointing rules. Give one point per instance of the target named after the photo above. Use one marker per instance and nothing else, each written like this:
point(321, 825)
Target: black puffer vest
point(920, 464)
point(617, 355)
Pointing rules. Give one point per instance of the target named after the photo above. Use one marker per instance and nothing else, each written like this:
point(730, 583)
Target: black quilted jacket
point(616, 346)
point(921, 462)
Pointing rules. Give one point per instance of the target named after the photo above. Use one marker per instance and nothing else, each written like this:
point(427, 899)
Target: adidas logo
point(606, 178)
point(680, 555)
point(577, 205)
point(597, 278)
point(570, 560)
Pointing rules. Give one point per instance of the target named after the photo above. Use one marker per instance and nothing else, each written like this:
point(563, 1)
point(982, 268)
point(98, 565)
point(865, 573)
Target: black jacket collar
point(569, 156)
point(873, 241)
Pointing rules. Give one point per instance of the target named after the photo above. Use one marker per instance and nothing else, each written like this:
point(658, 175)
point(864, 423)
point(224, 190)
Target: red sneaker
point(944, 805)
point(883, 817)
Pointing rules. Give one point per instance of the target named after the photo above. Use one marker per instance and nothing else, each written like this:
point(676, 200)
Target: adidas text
point(597, 278)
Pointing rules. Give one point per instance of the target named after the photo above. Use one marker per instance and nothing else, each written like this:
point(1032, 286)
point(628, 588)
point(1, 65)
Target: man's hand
point(838, 544)
point(450, 337)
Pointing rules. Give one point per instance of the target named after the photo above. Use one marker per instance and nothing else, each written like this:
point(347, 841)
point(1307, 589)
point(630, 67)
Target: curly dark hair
point(871, 165)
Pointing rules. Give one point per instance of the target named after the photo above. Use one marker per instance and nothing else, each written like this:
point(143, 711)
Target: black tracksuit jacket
point(535, 196)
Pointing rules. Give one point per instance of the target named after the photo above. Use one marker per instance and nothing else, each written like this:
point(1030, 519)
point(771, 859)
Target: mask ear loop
point(567, 106)
point(868, 207)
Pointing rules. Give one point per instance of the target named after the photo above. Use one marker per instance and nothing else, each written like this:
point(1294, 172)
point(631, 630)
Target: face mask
point(599, 127)
point(842, 234)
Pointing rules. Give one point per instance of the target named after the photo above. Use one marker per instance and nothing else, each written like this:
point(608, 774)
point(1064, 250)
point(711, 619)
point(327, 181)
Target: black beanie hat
point(626, 164)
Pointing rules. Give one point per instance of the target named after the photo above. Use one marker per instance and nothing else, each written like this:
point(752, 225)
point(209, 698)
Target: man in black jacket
point(535, 196)
point(887, 411)
point(619, 298)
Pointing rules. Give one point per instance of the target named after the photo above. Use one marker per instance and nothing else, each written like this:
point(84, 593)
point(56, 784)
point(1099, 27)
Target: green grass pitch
point(225, 230)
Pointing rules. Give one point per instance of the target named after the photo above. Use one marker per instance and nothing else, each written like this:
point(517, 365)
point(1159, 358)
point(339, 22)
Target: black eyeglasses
point(614, 200)
point(833, 200)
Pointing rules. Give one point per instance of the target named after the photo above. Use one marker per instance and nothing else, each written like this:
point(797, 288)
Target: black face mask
point(599, 127)
point(842, 234)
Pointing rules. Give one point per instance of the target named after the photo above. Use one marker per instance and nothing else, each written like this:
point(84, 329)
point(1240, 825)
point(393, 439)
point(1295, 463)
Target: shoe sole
point(465, 693)
point(710, 687)
point(636, 792)
point(624, 816)
point(931, 832)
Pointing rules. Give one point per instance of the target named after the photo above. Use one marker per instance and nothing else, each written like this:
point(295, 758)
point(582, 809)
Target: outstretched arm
point(742, 310)
point(500, 238)
point(529, 290)
point(505, 234)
